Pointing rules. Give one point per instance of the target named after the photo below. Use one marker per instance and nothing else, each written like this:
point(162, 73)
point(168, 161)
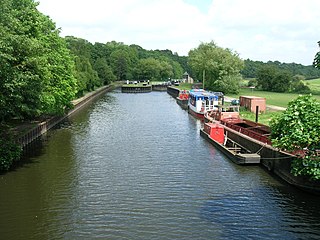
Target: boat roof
point(203, 93)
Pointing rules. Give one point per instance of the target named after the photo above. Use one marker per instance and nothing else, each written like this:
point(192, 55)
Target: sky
point(260, 30)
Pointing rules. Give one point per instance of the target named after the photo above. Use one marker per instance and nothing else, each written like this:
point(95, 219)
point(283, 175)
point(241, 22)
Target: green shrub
point(9, 152)
point(297, 130)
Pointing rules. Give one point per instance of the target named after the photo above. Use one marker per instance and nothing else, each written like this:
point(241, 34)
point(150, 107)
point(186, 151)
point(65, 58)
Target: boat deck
point(250, 158)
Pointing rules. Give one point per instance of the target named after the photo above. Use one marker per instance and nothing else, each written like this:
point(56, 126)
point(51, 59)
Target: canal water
point(133, 166)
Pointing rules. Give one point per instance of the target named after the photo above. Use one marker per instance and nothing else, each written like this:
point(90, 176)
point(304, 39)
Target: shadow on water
point(36, 148)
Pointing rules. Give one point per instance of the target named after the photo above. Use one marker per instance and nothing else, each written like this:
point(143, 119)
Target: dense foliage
point(36, 70)
point(316, 61)
point(273, 79)
point(99, 63)
point(297, 130)
point(218, 67)
point(9, 152)
point(251, 69)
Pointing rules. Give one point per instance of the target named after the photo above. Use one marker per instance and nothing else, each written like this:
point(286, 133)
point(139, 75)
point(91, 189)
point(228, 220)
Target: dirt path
point(275, 108)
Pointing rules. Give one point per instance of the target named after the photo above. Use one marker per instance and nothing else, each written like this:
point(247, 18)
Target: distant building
point(252, 102)
point(187, 78)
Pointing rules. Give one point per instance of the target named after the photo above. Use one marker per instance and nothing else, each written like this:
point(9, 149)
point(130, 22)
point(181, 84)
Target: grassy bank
point(314, 85)
point(263, 118)
point(184, 86)
point(272, 98)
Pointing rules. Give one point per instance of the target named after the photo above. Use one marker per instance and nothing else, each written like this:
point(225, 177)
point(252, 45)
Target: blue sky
point(282, 30)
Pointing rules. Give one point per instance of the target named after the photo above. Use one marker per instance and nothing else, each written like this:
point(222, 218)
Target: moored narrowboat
point(254, 137)
point(214, 133)
point(201, 101)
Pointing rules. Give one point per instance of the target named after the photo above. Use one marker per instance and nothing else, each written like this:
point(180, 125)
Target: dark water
point(135, 167)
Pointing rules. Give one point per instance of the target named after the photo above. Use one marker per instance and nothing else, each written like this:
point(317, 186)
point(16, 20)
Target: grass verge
point(272, 98)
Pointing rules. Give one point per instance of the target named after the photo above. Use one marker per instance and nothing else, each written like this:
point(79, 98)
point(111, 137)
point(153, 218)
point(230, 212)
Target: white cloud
point(285, 30)
point(152, 24)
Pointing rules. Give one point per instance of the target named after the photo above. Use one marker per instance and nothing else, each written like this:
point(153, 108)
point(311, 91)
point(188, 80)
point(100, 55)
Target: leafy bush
point(252, 82)
point(9, 152)
point(297, 130)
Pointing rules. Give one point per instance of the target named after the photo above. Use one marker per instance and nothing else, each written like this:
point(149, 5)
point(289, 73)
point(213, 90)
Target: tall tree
point(36, 70)
point(148, 68)
point(120, 63)
point(217, 66)
point(87, 77)
point(104, 71)
point(271, 78)
point(316, 61)
point(166, 70)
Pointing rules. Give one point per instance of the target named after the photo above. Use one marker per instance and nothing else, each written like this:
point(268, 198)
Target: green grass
point(272, 98)
point(263, 118)
point(314, 85)
point(184, 86)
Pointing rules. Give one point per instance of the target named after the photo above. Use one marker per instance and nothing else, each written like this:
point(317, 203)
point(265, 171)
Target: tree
point(104, 71)
point(148, 68)
point(265, 77)
point(297, 130)
point(166, 70)
point(316, 61)
point(87, 77)
point(298, 85)
point(36, 70)
point(270, 78)
point(177, 69)
point(251, 68)
point(120, 63)
point(217, 66)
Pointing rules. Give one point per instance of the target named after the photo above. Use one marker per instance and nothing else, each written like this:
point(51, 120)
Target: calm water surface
point(133, 166)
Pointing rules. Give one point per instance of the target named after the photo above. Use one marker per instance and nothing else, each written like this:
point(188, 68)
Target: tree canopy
point(41, 72)
point(219, 67)
point(36, 70)
point(251, 69)
point(271, 78)
point(297, 130)
point(316, 61)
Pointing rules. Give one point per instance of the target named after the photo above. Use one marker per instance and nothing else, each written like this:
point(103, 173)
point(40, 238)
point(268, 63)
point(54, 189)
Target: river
point(133, 166)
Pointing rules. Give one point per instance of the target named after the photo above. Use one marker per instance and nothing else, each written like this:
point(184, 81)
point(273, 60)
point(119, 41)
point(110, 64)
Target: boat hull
point(183, 103)
point(240, 159)
point(196, 114)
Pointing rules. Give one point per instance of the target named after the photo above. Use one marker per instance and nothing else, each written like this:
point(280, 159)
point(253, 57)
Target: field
point(272, 98)
point(184, 86)
point(314, 85)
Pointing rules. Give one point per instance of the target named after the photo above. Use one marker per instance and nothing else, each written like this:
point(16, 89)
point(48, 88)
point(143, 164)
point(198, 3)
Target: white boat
point(201, 101)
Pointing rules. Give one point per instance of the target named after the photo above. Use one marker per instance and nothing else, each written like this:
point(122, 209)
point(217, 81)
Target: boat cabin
point(202, 101)
point(222, 112)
